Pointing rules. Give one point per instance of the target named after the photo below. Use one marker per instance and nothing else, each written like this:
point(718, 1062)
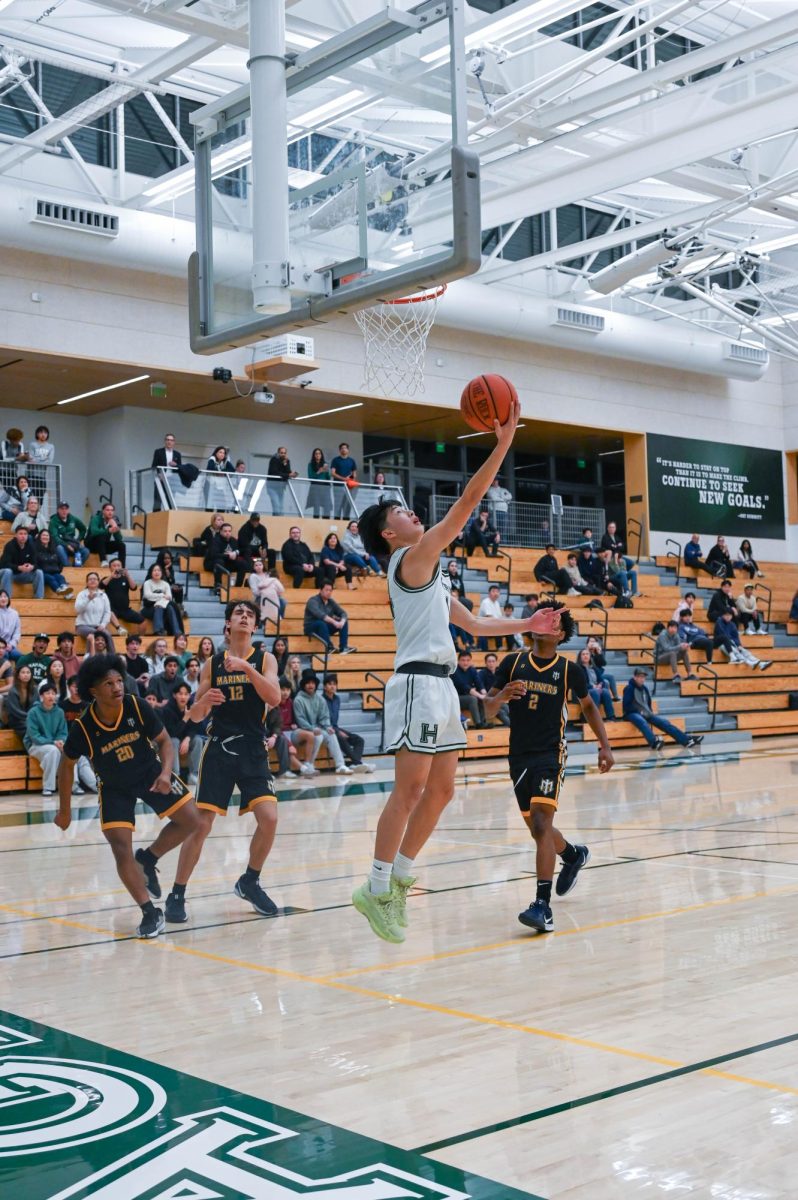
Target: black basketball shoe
point(250, 889)
point(566, 880)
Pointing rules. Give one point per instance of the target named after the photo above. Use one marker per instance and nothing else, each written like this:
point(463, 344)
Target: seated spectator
point(320, 491)
point(487, 680)
point(68, 533)
point(117, 587)
point(609, 584)
point(93, 613)
point(50, 567)
point(18, 564)
point(480, 531)
point(65, 651)
point(722, 602)
point(191, 674)
point(157, 603)
point(456, 545)
point(499, 499)
point(343, 469)
point(10, 628)
point(461, 637)
point(267, 591)
point(293, 673)
point(453, 573)
point(180, 649)
point(355, 552)
point(694, 556)
point(637, 708)
point(279, 473)
point(332, 563)
point(324, 618)
point(6, 667)
point(687, 603)
point(280, 652)
point(102, 644)
point(31, 518)
point(202, 544)
point(610, 541)
point(470, 692)
point(19, 699)
point(490, 606)
point(671, 648)
point(745, 560)
point(105, 536)
point(351, 743)
point(37, 659)
point(253, 541)
point(301, 742)
point(750, 617)
point(569, 579)
point(531, 601)
point(597, 688)
point(45, 734)
point(312, 714)
point(186, 738)
point(719, 560)
point(166, 561)
point(55, 674)
point(624, 580)
point(19, 492)
point(84, 779)
point(693, 635)
point(590, 569)
point(136, 664)
point(513, 640)
point(598, 662)
point(298, 559)
point(727, 639)
point(547, 568)
point(227, 558)
point(162, 685)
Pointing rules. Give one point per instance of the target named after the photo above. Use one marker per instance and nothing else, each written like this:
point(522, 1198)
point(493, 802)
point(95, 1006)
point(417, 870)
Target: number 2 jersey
point(121, 754)
point(539, 717)
point(243, 712)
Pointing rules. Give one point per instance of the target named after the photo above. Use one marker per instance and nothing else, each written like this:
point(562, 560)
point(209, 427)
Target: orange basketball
point(486, 399)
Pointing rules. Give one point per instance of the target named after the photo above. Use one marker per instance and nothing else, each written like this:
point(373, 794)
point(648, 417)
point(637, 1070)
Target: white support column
point(270, 263)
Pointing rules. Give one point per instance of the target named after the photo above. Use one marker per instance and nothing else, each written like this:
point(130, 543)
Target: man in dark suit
point(165, 456)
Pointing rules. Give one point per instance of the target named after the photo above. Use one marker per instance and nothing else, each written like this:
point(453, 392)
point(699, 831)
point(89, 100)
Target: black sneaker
point(538, 916)
point(151, 924)
point(150, 872)
point(566, 880)
point(658, 743)
point(695, 740)
point(175, 909)
point(252, 891)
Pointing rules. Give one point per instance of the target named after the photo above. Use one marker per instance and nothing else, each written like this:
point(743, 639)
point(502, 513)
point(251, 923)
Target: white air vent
point(576, 318)
point(88, 220)
point(743, 352)
point(289, 345)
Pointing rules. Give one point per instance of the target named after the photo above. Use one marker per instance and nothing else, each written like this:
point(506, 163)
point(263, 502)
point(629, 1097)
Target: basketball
point(486, 399)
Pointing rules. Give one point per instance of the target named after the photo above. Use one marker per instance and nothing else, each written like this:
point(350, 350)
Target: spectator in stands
point(719, 560)
point(72, 706)
point(162, 685)
point(745, 560)
point(227, 558)
point(586, 541)
point(312, 714)
point(609, 585)
point(93, 613)
point(280, 652)
point(55, 673)
point(31, 518)
point(487, 680)
point(136, 664)
point(267, 592)
point(12, 451)
point(41, 455)
point(6, 667)
point(343, 469)
point(351, 743)
point(457, 544)
point(513, 640)
point(480, 531)
point(47, 562)
point(671, 648)
point(531, 601)
point(598, 661)
point(102, 643)
point(65, 653)
point(610, 541)
point(217, 490)
point(293, 672)
point(19, 699)
point(45, 734)
point(166, 561)
point(165, 458)
point(157, 603)
point(37, 659)
point(722, 602)
point(105, 537)
point(18, 564)
point(461, 637)
point(332, 563)
point(597, 688)
point(191, 674)
point(693, 635)
point(324, 618)
point(279, 473)
point(253, 540)
point(750, 617)
point(68, 533)
point(117, 586)
point(453, 571)
point(205, 650)
point(298, 559)
point(499, 499)
point(547, 568)
point(694, 556)
point(187, 741)
point(544, 533)
point(490, 606)
point(10, 628)
point(637, 708)
point(727, 639)
point(241, 467)
point(288, 764)
point(570, 581)
point(355, 554)
point(625, 580)
point(202, 544)
point(590, 571)
point(470, 692)
point(687, 603)
point(180, 649)
point(301, 741)
point(320, 491)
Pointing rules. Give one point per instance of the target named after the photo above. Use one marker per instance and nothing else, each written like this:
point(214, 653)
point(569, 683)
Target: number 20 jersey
point(121, 754)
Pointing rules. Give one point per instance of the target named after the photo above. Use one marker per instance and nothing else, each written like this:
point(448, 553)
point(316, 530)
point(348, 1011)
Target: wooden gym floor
point(649, 1046)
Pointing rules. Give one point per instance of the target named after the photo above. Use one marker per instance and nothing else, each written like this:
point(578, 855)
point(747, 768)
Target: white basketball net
point(395, 335)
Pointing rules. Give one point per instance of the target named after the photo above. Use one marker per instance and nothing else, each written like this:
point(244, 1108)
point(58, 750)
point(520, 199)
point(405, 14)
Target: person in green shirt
point(105, 536)
point(37, 659)
point(320, 491)
point(68, 532)
point(45, 734)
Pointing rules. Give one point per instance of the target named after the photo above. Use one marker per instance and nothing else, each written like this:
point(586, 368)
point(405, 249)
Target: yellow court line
point(63, 921)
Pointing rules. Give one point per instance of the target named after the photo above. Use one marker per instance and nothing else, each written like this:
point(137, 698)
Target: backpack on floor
point(792, 700)
point(624, 602)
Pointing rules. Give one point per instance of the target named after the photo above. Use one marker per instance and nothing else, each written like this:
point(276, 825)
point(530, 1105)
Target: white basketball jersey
point(421, 617)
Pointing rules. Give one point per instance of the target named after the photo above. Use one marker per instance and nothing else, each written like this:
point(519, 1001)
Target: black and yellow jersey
point(243, 712)
point(538, 718)
point(121, 754)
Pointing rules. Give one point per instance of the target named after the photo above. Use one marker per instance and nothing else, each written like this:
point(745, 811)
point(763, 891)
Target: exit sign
point(440, 448)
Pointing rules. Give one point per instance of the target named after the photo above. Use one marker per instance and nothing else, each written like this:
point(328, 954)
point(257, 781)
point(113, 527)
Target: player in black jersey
point(237, 687)
point(536, 684)
point(116, 733)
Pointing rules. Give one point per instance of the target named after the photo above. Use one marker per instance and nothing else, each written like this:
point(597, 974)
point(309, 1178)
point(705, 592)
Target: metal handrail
point(653, 650)
point(186, 554)
point(764, 588)
point(508, 569)
point(711, 687)
point(638, 532)
point(321, 657)
point(109, 499)
point(603, 624)
point(677, 555)
point(134, 508)
point(380, 700)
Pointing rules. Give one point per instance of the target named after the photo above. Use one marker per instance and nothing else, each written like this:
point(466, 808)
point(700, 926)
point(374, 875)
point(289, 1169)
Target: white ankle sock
point(402, 866)
point(380, 877)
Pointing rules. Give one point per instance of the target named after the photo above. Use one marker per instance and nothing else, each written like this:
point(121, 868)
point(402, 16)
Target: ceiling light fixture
point(327, 411)
point(109, 388)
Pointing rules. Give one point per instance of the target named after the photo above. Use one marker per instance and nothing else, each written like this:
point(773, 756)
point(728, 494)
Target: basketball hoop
point(395, 336)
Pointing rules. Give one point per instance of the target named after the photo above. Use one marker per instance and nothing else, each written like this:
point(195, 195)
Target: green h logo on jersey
point(429, 733)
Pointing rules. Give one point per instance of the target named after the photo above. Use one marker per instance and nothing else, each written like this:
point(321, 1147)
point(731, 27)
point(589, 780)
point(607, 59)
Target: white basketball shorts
point(422, 713)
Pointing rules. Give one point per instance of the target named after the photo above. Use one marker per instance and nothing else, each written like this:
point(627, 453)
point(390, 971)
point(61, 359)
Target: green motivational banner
point(714, 488)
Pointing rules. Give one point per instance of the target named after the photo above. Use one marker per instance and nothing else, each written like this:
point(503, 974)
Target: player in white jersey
point(422, 710)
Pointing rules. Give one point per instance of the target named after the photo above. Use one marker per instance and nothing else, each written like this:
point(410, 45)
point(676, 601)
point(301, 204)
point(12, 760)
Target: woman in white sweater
point(158, 605)
point(93, 614)
point(267, 591)
point(355, 552)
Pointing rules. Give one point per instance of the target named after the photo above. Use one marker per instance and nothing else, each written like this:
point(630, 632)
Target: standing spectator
point(694, 556)
point(161, 686)
point(351, 743)
point(637, 708)
point(598, 661)
point(136, 664)
point(355, 554)
point(586, 541)
point(65, 653)
point(37, 659)
point(487, 680)
point(301, 741)
point(117, 587)
point(332, 562)
point(217, 491)
point(722, 602)
point(298, 559)
point(41, 455)
point(343, 469)
point(312, 714)
point(693, 635)
point(18, 565)
point(320, 491)
point(719, 560)
point(481, 531)
point(671, 648)
point(547, 568)
point(470, 693)
point(570, 581)
point(490, 606)
point(268, 593)
point(544, 532)
point(19, 699)
point(279, 473)
point(105, 537)
point(45, 734)
point(187, 740)
point(165, 458)
point(727, 639)
point(241, 467)
point(10, 628)
point(47, 562)
point(597, 688)
point(158, 605)
point(610, 541)
point(93, 613)
point(745, 560)
point(253, 540)
point(227, 558)
point(324, 618)
point(166, 561)
point(31, 518)
point(68, 534)
point(12, 451)
point(499, 499)
point(750, 616)
point(280, 652)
